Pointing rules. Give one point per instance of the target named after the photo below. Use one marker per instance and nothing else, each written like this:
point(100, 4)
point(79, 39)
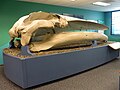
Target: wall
point(11, 11)
point(108, 21)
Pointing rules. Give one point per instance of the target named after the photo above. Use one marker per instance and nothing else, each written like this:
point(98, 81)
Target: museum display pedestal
point(37, 70)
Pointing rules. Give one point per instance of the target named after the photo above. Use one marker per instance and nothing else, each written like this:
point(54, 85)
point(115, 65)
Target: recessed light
point(72, 0)
point(101, 3)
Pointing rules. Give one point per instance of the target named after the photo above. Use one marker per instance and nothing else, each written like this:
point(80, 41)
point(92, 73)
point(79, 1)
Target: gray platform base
point(38, 70)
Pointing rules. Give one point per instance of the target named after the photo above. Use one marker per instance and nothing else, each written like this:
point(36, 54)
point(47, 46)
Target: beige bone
point(29, 24)
point(67, 38)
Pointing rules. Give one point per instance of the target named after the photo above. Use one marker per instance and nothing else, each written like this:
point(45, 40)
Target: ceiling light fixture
point(101, 3)
point(72, 0)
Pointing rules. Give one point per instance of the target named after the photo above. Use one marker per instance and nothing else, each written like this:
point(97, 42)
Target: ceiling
point(83, 4)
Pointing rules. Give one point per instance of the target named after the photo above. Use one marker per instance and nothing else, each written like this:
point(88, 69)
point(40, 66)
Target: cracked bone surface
point(42, 30)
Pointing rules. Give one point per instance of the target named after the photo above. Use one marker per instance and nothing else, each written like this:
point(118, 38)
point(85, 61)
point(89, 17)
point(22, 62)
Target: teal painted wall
point(108, 21)
point(12, 10)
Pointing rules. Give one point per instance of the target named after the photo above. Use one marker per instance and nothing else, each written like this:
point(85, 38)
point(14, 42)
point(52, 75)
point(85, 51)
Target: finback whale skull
point(42, 31)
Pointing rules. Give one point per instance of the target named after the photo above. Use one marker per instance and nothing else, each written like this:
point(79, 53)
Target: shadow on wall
point(1, 52)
